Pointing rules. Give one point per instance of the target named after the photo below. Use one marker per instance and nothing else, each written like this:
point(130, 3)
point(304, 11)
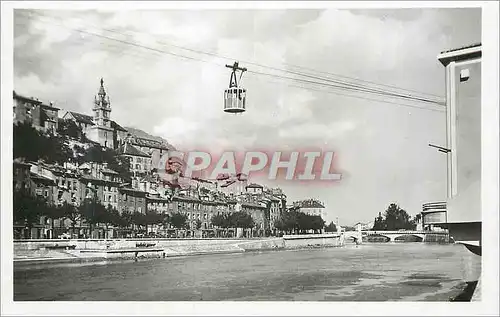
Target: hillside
point(142, 134)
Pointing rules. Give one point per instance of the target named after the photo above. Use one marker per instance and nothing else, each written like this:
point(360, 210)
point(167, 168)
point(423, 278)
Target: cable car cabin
point(234, 100)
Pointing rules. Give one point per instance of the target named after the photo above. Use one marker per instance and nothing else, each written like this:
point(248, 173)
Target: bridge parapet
point(394, 235)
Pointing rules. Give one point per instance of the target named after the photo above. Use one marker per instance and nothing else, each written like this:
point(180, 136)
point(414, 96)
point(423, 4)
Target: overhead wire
point(350, 84)
point(160, 51)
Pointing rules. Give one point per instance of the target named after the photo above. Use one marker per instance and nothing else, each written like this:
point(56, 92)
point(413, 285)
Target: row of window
point(73, 185)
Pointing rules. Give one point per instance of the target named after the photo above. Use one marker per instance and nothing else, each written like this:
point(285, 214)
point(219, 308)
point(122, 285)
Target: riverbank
point(75, 251)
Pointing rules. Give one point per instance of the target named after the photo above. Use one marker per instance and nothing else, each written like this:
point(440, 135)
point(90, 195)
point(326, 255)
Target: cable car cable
point(274, 75)
point(353, 96)
point(277, 69)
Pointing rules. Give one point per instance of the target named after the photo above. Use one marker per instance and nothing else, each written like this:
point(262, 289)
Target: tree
point(139, 219)
point(395, 218)
point(178, 220)
point(153, 218)
point(379, 223)
point(93, 212)
point(70, 129)
point(331, 227)
point(35, 145)
point(69, 211)
point(218, 220)
point(241, 219)
point(28, 208)
point(317, 223)
point(117, 163)
point(198, 224)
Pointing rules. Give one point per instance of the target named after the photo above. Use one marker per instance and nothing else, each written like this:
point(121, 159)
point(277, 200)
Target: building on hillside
point(257, 210)
point(273, 211)
point(99, 127)
point(132, 200)
point(232, 184)
point(33, 111)
point(310, 207)
point(101, 183)
point(21, 175)
point(23, 108)
point(140, 162)
point(148, 146)
point(254, 189)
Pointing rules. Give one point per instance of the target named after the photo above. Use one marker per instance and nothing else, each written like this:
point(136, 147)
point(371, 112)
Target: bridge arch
point(409, 238)
point(376, 237)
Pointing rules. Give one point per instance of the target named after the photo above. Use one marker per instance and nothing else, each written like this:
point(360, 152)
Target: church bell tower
point(101, 131)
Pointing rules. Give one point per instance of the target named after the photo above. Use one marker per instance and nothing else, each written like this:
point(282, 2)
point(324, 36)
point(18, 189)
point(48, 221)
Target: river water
point(369, 272)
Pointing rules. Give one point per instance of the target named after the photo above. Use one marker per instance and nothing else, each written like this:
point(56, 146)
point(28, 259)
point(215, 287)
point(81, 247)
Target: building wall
point(48, 118)
point(101, 135)
point(464, 140)
point(312, 211)
point(139, 164)
point(254, 190)
point(67, 190)
point(23, 110)
point(132, 200)
point(21, 177)
point(433, 217)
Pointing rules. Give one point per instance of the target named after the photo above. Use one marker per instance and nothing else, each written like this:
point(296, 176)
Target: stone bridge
point(393, 236)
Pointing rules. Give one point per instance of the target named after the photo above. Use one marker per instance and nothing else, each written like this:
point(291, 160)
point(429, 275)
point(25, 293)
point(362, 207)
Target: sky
point(381, 145)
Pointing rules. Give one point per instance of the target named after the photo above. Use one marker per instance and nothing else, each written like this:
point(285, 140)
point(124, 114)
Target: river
point(369, 272)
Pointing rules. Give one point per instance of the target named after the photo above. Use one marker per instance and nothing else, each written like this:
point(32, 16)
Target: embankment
point(49, 251)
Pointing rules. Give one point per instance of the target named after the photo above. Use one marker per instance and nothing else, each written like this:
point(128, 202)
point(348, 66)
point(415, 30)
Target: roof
point(462, 48)
point(186, 198)
point(83, 118)
point(147, 178)
point(157, 199)
point(35, 176)
point(459, 54)
point(109, 171)
point(98, 180)
point(30, 99)
point(309, 203)
point(252, 204)
point(129, 149)
point(253, 185)
point(148, 143)
point(50, 107)
point(221, 177)
point(20, 163)
point(116, 126)
point(228, 183)
point(132, 190)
